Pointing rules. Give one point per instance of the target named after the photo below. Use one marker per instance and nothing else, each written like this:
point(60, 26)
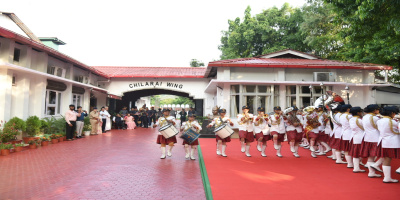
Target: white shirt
point(356, 132)
point(277, 125)
point(245, 126)
point(371, 133)
point(162, 121)
point(388, 138)
point(104, 114)
point(261, 126)
point(337, 128)
point(300, 127)
point(217, 121)
point(328, 128)
point(186, 125)
point(321, 121)
point(289, 126)
point(346, 130)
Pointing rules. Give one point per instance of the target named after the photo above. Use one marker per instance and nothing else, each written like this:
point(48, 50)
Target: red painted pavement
point(121, 164)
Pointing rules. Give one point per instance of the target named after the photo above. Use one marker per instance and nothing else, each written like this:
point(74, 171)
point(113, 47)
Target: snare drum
point(224, 131)
point(190, 135)
point(168, 131)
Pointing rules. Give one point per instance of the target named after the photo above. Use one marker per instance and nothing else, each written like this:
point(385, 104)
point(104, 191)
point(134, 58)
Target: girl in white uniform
point(357, 130)
point(261, 129)
point(294, 131)
point(346, 134)
point(186, 126)
point(217, 122)
point(278, 131)
point(389, 141)
point(162, 121)
point(245, 121)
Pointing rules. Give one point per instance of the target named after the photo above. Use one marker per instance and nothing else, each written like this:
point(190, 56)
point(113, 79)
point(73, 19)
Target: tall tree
point(196, 63)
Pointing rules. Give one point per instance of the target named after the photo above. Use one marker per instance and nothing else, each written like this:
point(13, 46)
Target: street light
point(348, 96)
point(311, 95)
point(323, 98)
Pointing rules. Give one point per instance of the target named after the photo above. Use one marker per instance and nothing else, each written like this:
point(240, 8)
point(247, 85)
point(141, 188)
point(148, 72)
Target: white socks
point(349, 161)
point(259, 146)
point(192, 153)
point(218, 151)
point(296, 151)
point(169, 151)
point(292, 147)
point(162, 152)
point(187, 151)
point(356, 163)
point(387, 174)
point(223, 151)
point(371, 170)
point(278, 151)
point(263, 151)
point(339, 158)
point(243, 149)
point(376, 165)
point(248, 151)
point(327, 147)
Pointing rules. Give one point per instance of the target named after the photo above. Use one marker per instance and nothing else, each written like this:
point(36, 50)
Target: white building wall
point(5, 93)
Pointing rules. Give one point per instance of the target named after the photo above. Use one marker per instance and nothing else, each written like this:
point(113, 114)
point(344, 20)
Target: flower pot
point(54, 141)
point(65, 137)
point(5, 152)
point(87, 133)
point(60, 139)
point(16, 142)
point(18, 149)
point(27, 139)
point(45, 143)
point(32, 146)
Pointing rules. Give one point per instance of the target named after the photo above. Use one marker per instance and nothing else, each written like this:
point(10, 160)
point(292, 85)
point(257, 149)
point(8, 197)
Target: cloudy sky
point(136, 33)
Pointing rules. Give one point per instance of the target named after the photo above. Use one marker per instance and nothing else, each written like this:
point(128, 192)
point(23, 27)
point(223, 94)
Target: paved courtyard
point(121, 164)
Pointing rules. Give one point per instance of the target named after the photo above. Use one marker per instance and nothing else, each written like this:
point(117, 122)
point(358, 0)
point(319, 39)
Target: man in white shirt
point(104, 115)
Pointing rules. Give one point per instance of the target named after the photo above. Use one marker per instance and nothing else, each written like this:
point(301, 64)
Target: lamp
point(311, 88)
point(323, 98)
point(347, 91)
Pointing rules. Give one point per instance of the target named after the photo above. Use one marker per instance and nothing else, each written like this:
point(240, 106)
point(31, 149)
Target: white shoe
point(187, 156)
point(296, 155)
point(243, 148)
point(306, 147)
point(313, 155)
point(321, 154)
point(263, 151)
point(279, 155)
point(218, 152)
point(328, 150)
point(292, 149)
point(169, 154)
point(398, 170)
point(258, 148)
point(223, 151)
point(371, 170)
point(387, 174)
point(192, 154)
point(162, 153)
point(248, 151)
point(376, 167)
point(276, 147)
point(330, 156)
point(373, 175)
point(312, 149)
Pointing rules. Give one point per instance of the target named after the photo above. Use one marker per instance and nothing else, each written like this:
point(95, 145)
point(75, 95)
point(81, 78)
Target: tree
point(272, 30)
point(196, 63)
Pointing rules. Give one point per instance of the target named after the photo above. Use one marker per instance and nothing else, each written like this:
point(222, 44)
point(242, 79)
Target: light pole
point(348, 96)
point(311, 95)
point(323, 98)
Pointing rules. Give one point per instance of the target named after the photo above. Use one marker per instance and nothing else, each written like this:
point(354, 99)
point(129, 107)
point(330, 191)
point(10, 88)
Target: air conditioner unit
point(324, 76)
point(85, 80)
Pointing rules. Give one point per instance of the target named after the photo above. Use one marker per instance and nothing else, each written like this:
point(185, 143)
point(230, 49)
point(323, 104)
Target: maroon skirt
point(259, 135)
point(248, 136)
point(313, 135)
point(291, 135)
point(323, 137)
point(227, 139)
point(345, 145)
point(369, 149)
point(196, 142)
point(391, 153)
point(281, 137)
point(331, 141)
point(336, 144)
point(355, 150)
point(267, 137)
point(162, 140)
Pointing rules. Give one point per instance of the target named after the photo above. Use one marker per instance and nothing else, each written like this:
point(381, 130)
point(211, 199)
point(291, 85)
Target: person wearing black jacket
point(143, 118)
point(183, 115)
point(119, 121)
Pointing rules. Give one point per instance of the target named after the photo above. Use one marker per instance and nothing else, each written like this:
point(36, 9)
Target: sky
point(155, 33)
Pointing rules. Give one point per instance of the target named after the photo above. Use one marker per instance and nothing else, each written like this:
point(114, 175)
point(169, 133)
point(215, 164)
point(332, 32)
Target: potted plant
point(86, 126)
point(33, 144)
point(60, 137)
point(5, 148)
point(19, 125)
point(8, 134)
point(19, 147)
point(54, 138)
point(44, 141)
point(33, 125)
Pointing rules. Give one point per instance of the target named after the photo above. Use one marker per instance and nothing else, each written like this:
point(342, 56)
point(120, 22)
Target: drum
point(168, 131)
point(190, 135)
point(224, 131)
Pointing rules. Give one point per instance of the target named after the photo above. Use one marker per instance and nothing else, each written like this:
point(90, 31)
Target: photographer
point(80, 122)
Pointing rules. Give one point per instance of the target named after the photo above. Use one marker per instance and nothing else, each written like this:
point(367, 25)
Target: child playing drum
point(163, 121)
point(191, 123)
point(217, 122)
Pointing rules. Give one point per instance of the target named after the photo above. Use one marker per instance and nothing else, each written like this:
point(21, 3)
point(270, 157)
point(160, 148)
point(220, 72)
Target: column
point(5, 94)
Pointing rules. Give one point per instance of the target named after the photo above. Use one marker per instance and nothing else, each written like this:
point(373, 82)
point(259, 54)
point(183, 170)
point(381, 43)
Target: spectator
point(159, 114)
point(129, 122)
point(80, 122)
point(183, 115)
point(152, 116)
point(104, 115)
point(94, 120)
point(70, 119)
point(108, 120)
point(119, 122)
point(124, 111)
point(173, 112)
point(143, 118)
point(191, 111)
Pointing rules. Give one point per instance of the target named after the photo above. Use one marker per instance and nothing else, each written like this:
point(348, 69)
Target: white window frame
point(74, 95)
point(242, 95)
point(56, 105)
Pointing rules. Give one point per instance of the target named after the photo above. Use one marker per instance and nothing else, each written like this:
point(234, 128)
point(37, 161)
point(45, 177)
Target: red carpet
point(240, 177)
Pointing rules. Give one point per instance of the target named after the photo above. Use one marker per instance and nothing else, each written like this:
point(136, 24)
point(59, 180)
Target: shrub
point(6, 146)
point(17, 123)
point(33, 125)
point(8, 133)
point(54, 125)
point(87, 126)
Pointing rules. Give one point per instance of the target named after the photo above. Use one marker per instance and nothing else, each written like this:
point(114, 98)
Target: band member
point(346, 134)
point(162, 121)
point(338, 135)
point(246, 130)
point(312, 130)
point(389, 144)
point(277, 129)
point(323, 137)
point(330, 128)
point(294, 131)
point(217, 122)
point(191, 123)
point(371, 138)
point(357, 130)
point(261, 130)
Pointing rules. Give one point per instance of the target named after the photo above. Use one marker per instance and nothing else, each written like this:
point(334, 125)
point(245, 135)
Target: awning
point(212, 86)
point(114, 97)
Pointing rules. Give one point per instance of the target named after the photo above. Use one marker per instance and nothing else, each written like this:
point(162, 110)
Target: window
point(51, 70)
point(53, 102)
point(291, 95)
point(13, 81)
point(77, 100)
point(17, 53)
point(59, 72)
point(253, 96)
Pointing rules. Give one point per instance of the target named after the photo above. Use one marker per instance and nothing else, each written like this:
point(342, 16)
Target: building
point(37, 79)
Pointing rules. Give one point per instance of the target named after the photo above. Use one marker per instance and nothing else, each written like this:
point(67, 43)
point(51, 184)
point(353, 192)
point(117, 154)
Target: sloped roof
point(158, 72)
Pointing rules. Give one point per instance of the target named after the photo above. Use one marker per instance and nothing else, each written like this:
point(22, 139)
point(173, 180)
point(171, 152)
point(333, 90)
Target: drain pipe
point(386, 76)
